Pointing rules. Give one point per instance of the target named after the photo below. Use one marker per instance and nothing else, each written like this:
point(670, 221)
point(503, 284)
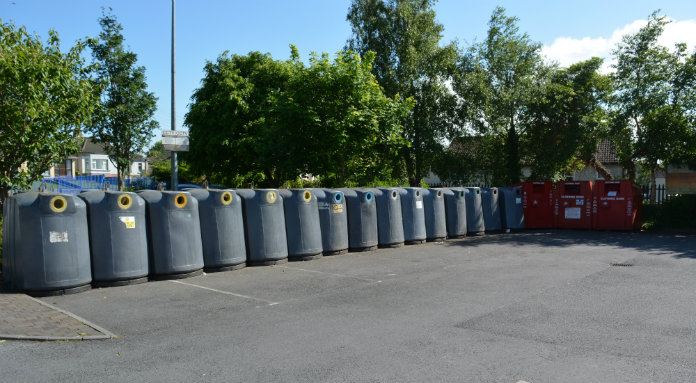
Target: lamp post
point(175, 165)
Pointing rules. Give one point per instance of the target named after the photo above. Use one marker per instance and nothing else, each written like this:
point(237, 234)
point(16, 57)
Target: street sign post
point(175, 140)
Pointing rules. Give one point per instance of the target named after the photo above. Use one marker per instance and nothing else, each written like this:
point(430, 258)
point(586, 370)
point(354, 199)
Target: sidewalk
point(25, 318)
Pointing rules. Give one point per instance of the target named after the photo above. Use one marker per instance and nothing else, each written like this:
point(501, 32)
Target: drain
point(621, 264)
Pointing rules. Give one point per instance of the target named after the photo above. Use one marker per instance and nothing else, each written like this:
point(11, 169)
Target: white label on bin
point(419, 204)
point(580, 202)
point(57, 236)
point(612, 193)
point(128, 221)
point(518, 200)
point(572, 213)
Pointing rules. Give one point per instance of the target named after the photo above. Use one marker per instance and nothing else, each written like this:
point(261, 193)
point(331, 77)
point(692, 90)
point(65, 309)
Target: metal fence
point(78, 184)
point(459, 184)
point(661, 194)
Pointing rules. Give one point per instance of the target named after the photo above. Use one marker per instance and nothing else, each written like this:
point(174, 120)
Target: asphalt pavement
point(557, 306)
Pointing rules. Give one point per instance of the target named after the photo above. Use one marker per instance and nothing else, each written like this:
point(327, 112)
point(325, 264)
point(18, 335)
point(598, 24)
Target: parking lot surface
point(557, 306)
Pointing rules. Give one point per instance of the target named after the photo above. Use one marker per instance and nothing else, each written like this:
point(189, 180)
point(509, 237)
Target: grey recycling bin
point(455, 209)
point(412, 212)
point(474, 211)
point(333, 217)
point(117, 237)
point(512, 213)
point(46, 244)
point(435, 216)
point(222, 229)
point(302, 226)
point(174, 234)
point(362, 219)
point(492, 221)
point(390, 227)
point(264, 226)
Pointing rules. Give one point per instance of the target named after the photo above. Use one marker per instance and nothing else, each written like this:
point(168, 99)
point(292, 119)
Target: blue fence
point(77, 184)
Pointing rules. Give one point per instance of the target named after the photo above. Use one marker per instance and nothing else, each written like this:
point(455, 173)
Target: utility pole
point(175, 165)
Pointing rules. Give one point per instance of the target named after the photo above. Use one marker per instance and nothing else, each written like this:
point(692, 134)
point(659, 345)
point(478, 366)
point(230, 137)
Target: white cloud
point(567, 50)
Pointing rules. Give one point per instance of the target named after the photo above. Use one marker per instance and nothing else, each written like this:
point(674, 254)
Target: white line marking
point(108, 334)
point(334, 274)
point(270, 303)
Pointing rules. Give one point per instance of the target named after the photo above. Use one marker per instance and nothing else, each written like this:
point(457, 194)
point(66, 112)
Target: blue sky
point(570, 30)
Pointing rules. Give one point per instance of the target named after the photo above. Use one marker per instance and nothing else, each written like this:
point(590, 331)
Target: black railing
point(661, 194)
point(459, 184)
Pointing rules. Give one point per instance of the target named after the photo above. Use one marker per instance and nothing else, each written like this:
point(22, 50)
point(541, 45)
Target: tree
point(232, 120)
point(262, 121)
point(337, 122)
point(409, 61)
point(123, 123)
point(496, 80)
point(652, 90)
point(44, 100)
point(567, 114)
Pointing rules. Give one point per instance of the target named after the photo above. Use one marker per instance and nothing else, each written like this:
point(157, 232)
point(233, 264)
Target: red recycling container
point(573, 205)
point(617, 205)
point(537, 203)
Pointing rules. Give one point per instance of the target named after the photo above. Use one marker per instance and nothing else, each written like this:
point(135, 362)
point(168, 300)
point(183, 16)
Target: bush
point(0, 244)
point(676, 213)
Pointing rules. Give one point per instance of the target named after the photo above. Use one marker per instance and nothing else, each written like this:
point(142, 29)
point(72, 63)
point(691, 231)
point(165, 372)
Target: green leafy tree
point(496, 80)
point(685, 101)
point(261, 121)
point(652, 91)
point(338, 123)
point(409, 61)
point(44, 100)
point(567, 114)
point(232, 120)
point(124, 122)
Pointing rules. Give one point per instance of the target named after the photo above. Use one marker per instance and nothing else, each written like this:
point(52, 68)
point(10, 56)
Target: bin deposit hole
point(180, 200)
point(58, 204)
point(124, 201)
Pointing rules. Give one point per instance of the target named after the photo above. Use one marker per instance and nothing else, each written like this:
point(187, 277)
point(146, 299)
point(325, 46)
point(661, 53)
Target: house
point(680, 180)
point(607, 155)
point(92, 160)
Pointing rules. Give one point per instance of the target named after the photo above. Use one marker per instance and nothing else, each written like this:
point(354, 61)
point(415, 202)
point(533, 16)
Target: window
point(599, 176)
point(140, 167)
point(100, 164)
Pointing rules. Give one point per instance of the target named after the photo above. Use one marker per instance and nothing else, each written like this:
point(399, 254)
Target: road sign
point(175, 140)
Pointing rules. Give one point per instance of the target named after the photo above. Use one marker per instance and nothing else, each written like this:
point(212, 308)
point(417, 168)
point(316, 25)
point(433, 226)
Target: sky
point(570, 31)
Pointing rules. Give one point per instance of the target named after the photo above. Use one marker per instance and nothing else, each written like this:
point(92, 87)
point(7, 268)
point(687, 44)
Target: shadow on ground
point(682, 246)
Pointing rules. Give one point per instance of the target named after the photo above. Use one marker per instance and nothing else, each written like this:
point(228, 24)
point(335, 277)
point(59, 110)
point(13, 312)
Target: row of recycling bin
point(600, 205)
point(56, 243)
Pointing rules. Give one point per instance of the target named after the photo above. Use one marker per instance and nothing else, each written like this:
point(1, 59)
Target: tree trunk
point(653, 185)
point(4, 195)
point(630, 167)
point(409, 165)
point(599, 168)
point(120, 178)
point(512, 156)
point(269, 178)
